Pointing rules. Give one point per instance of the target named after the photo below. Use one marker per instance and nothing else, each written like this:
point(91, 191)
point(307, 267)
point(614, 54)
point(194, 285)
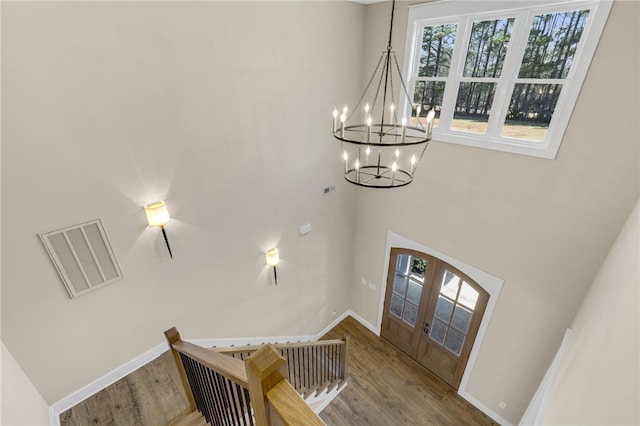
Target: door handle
point(426, 328)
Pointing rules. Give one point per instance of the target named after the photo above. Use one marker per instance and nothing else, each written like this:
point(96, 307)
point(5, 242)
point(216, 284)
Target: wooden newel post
point(265, 369)
point(172, 337)
point(345, 357)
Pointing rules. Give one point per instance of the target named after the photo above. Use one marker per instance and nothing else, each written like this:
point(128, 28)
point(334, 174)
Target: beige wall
point(544, 226)
point(605, 344)
point(109, 105)
point(222, 108)
point(21, 402)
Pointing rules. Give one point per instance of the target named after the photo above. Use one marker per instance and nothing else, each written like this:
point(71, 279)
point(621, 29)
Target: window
point(501, 79)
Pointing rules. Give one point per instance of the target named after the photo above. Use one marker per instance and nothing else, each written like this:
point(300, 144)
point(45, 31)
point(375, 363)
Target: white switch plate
point(305, 229)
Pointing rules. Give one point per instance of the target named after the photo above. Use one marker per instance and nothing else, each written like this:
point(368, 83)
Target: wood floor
point(150, 396)
point(386, 388)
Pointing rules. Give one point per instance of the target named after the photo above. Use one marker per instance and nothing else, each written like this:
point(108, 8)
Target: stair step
point(193, 418)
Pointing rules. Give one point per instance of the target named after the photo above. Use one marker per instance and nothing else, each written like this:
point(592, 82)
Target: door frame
point(492, 284)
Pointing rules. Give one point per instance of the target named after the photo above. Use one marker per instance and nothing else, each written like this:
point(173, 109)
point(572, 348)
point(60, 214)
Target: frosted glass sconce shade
point(157, 214)
point(272, 259)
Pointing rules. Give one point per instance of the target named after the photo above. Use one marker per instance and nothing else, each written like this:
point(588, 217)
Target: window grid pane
point(407, 287)
point(552, 44)
point(436, 50)
point(530, 111)
point(488, 48)
point(453, 312)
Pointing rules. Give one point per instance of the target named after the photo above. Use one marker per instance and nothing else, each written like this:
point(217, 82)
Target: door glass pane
point(414, 293)
point(530, 111)
point(410, 314)
point(552, 44)
point(438, 330)
point(436, 50)
point(402, 263)
point(400, 284)
point(461, 318)
point(473, 107)
point(450, 285)
point(444, 308)
point(396, 305)
point(418, 267)
point(468, 296)
point(488, 48)
point(454, 341)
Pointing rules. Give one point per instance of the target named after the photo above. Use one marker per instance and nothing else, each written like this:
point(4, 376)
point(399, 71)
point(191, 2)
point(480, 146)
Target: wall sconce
point(273, 258)
point(158, 215)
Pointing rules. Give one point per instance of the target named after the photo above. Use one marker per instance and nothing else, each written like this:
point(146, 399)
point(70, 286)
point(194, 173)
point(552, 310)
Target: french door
point(432, 312)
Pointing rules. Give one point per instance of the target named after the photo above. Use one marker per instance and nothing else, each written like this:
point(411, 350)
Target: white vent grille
point(83, 257)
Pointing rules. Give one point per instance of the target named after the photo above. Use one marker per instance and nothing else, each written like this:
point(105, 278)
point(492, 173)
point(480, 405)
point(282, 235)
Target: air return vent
point(83, 257)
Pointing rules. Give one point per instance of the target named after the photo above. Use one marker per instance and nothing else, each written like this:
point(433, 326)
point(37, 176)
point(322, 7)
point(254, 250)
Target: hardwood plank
point(387, 387)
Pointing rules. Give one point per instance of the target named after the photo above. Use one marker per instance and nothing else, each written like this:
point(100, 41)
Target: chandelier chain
point(367, 88)
point(404, 87)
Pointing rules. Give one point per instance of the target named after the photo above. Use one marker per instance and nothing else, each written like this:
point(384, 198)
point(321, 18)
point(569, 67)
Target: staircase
point(263, 385)
point(192, 418)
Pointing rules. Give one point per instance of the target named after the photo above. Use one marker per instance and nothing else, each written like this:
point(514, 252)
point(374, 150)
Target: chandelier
point(382, 151)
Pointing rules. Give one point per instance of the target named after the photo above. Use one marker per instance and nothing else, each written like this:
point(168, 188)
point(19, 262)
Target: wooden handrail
point(289, 409)
point(253, 348)
point(227, 366)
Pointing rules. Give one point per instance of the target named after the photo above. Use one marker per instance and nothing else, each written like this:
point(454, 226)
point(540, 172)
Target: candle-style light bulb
point(369, 122)
point(357, 164)
point(335, 120)
point(393, 111)
point(430, 118)
point(397, 153)
point(346, 157)
point(394, 167)
point(418, 110)
point(404, 128)
point(413, 163)
point(343, 118)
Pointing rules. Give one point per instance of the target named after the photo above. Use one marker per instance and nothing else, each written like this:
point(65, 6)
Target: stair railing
point(215, 384)
point(311, 366)
point(252, 387)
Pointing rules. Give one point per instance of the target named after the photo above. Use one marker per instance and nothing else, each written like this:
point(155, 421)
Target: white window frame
point(464, 13)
